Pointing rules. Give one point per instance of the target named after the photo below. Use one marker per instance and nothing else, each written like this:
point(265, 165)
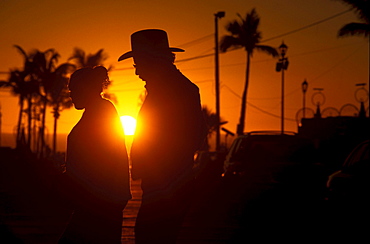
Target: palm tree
point(41, 83)
point(362, 9)
point(24, 84)
point(82, 60)
point(245, 34)
point(44, 63)
point(53, 81)
point(17, 84)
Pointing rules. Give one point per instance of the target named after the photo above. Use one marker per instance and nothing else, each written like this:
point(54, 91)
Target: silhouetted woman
point(96, 164)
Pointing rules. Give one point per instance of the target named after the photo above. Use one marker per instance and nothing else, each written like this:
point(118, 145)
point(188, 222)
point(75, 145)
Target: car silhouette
point(348, 198)
point(350, 183)
point(264, 149)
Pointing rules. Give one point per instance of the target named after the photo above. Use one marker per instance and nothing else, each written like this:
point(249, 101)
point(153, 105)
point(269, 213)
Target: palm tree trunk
point(29, 114)
point(56, 117)
point(241, 125)
point(19, 119)
point(55, 135)
point(42, 129)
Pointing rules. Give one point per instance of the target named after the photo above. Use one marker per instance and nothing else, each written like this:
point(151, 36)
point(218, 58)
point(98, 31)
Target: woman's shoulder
point(107, 106)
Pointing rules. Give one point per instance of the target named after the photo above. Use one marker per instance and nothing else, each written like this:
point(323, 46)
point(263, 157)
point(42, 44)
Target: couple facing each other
point(170, 129)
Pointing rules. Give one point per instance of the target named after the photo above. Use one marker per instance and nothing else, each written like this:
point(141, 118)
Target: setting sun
point(129, 124)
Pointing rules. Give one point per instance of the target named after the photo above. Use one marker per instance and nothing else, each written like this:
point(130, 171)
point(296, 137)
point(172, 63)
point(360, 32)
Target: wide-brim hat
point(150, 41)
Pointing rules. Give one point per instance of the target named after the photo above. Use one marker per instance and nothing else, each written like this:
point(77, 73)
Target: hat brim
point(131, 54)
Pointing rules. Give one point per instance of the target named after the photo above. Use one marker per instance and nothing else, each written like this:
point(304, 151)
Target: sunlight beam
point(128, 124)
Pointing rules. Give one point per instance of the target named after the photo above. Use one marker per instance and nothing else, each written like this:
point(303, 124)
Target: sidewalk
point(202, 225)
point(129, 214)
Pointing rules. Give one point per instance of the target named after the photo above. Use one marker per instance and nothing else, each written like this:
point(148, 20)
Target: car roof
point(270, 132)
point(267, 133)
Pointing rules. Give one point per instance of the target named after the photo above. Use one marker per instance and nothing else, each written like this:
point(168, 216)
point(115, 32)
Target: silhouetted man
point(170, 129)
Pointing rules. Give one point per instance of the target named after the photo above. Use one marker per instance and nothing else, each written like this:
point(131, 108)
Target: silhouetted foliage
point(83, 60)
point(25, 85)
point(40, 83)
point(52, 80)
point(244, 33)
point(58, 95)
point(211, 123)
point(362, 10)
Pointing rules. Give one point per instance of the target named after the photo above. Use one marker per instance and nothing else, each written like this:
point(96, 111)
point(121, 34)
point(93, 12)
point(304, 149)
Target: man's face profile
point(144, 66)
point(150, 67)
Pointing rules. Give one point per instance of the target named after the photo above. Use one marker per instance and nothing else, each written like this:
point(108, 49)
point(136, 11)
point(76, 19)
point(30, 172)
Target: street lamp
point(0, 124)
point(218, 15)
point(304, 90)
point(282, 65)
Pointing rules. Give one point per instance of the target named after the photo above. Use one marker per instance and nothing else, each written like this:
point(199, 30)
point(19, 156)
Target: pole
point(0, 124)
point(282, 98)
point(281, 66)
point(217, 81)
point(304, 90)
point(304, 105)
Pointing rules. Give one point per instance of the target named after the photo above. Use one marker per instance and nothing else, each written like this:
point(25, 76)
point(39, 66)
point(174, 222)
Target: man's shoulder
point(188, 83)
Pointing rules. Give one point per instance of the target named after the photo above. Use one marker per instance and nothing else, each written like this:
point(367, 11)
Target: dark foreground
point(246, 209)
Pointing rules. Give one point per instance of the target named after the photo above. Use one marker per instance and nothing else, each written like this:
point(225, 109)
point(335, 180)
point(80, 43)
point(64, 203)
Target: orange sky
point(315, 53)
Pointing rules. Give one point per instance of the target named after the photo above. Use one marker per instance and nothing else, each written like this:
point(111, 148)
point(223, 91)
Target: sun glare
point(128, 124)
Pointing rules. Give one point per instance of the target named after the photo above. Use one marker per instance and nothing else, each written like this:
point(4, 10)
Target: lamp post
point(218, 15)
point(0, 124)
point(304, 90)
point(282, 65)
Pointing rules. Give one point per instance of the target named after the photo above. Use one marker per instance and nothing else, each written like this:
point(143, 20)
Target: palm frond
point(65, 68)
point(234, 27)
point(96, 59)
point(53, 61)
point(251, 23)
point(268, 50)
point(360, 7)
point(352, 29)
point(229, 41)
point(21, 50)
point(79, 56)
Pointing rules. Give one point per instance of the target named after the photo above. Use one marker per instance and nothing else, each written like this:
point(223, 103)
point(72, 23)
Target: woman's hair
point(90, 77)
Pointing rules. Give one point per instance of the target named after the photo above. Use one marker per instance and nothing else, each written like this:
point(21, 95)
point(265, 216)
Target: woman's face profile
point(85, 86)
point(78, 97)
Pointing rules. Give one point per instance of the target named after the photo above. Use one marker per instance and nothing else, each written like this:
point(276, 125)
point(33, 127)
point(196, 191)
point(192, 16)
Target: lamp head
point(220, 14)
point(283, 48)
point(304, 86)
